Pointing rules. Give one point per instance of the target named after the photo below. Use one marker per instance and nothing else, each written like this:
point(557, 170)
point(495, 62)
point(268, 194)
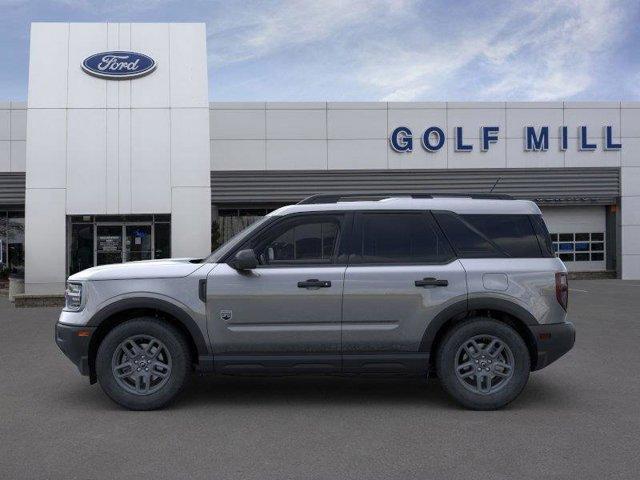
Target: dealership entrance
point(101, 240)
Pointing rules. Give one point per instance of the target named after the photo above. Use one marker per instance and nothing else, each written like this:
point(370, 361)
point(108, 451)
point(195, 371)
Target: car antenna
point(494, 185)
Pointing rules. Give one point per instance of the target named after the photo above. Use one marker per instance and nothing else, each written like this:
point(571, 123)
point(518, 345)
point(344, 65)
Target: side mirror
point(244, 260)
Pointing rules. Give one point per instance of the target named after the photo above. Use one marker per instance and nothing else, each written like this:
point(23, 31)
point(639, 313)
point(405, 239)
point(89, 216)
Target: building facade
point(106, 162)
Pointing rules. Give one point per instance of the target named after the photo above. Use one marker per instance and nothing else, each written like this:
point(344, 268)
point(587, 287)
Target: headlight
point(73, 297)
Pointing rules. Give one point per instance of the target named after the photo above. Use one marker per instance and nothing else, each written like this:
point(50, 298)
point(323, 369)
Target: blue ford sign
point(118, 65)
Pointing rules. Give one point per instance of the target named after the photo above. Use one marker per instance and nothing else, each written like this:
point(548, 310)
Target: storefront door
point(123, 243)
point(100, 241)
point(108, 246)
point(137, 243)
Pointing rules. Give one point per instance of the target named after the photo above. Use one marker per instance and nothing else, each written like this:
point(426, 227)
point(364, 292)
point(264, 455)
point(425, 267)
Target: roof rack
point(336, 197)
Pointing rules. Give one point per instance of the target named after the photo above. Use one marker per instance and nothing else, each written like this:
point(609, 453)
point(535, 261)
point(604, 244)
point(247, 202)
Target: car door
point(286, 313)
point(401, 274)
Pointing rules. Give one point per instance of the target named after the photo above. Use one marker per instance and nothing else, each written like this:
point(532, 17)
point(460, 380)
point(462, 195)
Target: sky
point(377, 50)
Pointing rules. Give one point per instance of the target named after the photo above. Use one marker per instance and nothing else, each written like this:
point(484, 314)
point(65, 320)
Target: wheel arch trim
point(463, 307)
point(164, 306)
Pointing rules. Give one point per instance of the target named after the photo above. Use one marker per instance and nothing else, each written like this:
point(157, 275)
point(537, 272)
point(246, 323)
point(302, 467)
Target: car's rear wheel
point(483, 364)
point(143, 363)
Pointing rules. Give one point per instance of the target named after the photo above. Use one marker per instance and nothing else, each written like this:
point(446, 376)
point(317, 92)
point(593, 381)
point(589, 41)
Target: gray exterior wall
point(567, 186)
point(13, 136)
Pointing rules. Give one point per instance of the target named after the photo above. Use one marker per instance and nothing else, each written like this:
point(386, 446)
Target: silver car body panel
point(453, 204)
point(384, 311)
point(182, 292)
point(530, 284)
point(264, 311)
point(151, 269)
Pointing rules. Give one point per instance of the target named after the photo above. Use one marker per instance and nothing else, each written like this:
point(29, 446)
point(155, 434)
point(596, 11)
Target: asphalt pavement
point(579, 418)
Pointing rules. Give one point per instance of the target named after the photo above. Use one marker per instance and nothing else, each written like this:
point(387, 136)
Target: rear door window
point(399, 237)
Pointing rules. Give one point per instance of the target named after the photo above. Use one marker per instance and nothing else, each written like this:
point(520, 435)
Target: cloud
point(260, 29)
point(540, 51)
point(408, 50)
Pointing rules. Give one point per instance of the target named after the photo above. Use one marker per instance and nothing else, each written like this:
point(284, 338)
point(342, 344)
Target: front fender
point(177, 311)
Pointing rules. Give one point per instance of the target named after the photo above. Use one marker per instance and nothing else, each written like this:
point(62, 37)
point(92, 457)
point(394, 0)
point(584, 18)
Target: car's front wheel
point(483, 364)
point(143, 363)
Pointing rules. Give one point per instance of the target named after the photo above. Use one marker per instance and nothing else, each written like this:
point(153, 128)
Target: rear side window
point(467, 241)
point(485, 236)
point(399, 237)
point(544, 239)
point(513, 234)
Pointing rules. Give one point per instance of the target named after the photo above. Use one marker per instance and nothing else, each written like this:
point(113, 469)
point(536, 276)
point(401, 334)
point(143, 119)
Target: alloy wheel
point(141, 364)
point(484, 364)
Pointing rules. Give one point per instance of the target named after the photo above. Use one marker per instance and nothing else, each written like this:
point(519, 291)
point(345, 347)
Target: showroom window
point(579, 247)
point(231, 220)
point(11, 243)
point(104, 239)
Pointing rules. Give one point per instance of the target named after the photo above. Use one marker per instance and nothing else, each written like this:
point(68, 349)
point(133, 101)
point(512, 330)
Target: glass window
point(400, 237)
point(137, 243)
point(4, 267)
point(102, 239)
point(544, 239)
point(81, 252)
point(586, 247)
point(310, 239)
point(15, 242)
point(163, 240)
point(514, 234)
point(465, 239)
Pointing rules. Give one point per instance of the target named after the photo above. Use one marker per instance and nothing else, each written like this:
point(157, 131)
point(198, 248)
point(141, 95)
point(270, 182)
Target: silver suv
point(463, 287)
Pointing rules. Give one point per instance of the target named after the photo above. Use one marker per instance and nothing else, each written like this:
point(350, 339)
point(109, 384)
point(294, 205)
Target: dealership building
point(118, 155)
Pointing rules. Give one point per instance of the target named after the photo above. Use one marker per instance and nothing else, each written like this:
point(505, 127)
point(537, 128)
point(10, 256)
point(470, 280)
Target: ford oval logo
point(118, 65)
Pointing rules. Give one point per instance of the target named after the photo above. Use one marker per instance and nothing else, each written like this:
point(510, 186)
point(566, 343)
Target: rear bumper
point(552, 341)
point(74, 342)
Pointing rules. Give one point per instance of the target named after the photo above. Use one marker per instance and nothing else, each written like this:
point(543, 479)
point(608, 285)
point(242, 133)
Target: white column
point(45, 241)
point(630, 194)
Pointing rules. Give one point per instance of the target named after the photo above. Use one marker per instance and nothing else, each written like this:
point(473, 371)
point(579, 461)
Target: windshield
point(234, 241)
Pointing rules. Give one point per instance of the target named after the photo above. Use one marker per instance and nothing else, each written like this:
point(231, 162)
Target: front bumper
point(74, 342)
point(552, 341)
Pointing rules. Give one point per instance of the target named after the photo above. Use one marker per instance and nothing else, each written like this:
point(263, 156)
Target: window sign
point(109, 243)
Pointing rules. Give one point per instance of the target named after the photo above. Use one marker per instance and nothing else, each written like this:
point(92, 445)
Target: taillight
point(562, 289)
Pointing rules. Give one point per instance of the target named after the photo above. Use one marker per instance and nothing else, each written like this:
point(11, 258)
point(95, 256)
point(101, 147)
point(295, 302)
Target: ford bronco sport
point(463, 287)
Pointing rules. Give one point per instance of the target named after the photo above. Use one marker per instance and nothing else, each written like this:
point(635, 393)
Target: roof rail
point(336, 197)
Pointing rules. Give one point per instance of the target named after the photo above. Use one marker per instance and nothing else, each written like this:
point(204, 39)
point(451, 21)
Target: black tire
point(462, 389)
point(169, 388)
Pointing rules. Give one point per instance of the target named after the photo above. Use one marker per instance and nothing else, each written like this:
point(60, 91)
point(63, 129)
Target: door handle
point(431, 282)
point(314, 283)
